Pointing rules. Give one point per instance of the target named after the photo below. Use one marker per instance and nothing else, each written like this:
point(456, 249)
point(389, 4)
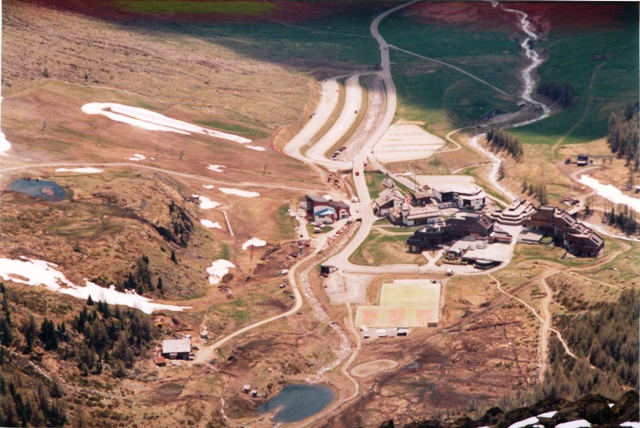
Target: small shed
point(176, 349)
point(160, 361)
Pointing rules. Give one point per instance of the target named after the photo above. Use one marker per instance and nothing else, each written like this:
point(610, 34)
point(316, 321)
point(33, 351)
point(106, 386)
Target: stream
point(529, 84)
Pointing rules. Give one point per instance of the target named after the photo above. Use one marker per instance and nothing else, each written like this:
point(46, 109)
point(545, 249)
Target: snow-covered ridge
point(153, 121)
point(39, 272)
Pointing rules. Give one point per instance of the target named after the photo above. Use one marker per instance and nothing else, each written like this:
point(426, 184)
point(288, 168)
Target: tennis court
point(406, 303)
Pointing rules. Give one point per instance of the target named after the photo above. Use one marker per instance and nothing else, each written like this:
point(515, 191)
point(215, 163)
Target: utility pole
point(415, 183)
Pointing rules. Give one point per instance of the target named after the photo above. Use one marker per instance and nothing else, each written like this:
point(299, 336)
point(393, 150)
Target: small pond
point(297, 402)
point(47, 190)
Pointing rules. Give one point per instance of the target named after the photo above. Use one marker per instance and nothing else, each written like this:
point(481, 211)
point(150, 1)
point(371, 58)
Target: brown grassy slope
point(162, 70)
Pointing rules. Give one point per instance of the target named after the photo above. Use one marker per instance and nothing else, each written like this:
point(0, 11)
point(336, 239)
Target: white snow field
point(611, 193)
point(206, 203)
point(80, 170)
point(216, 168)
point(218, 269)
point(208, 186)
point(243, 193)
point(406, 141)
point(257, 148)
point(153, 121)
point(39, 272)
point(210, 224)
point(253, 242)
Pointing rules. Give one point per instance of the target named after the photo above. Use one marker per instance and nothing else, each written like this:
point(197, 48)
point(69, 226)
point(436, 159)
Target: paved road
point(352, 103)
point(328, 102)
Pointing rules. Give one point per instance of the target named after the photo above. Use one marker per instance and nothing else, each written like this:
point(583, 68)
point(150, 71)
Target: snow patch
point(153, 121)
point(80, 170)
point(548, 414)
point(630, 424)
point(216, 168)
point(218, 269)
point(5, 145)
point(527, 422)
point(243, 193)
point(207, 204)
point(610, 193)
point(137, 157)
point(208, 186)
point(258, 148)
point(210, 224)
point(254, 242)
point(580, 423)
point(39, 272)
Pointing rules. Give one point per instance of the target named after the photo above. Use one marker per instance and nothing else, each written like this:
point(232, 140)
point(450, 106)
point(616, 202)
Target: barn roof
point(175, 346)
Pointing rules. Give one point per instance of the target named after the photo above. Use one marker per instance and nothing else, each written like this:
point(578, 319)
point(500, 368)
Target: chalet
point(313, 202)
point(176, 349)
point(459, 225)
point(420, 197)
point(515, 213)
point(408, 215)
point(583, 160)
point(426, 238)
point(388, 198)
point(322, 209)
point(463, 224)
point(468, 197)
point(570, 233)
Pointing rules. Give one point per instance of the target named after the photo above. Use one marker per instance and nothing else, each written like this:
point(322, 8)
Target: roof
point(324, 211)
point(340, 204)
point(317, 198)
point(175, 346)
point(388, 195)
point(461, 189)
point(423, 212)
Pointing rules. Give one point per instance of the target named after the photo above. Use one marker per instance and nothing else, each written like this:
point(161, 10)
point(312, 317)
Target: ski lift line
point(226, 218)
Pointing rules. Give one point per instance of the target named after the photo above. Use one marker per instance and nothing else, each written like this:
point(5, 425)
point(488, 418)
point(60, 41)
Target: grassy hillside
point(602, 65)
point(444, 98)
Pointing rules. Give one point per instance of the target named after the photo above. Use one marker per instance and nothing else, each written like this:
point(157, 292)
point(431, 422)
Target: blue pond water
point(47, 190)
point(297, 402)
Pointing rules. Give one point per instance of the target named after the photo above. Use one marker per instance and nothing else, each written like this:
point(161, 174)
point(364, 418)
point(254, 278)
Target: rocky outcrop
point(594, 408)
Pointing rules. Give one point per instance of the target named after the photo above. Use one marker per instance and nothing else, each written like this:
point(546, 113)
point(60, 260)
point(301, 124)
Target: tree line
point(101, 339)
point(623, 134)
point(26, 397)
point(563, 93)
point(181, 227)
point(501, 140)
point(606, 343)
point(624, 219)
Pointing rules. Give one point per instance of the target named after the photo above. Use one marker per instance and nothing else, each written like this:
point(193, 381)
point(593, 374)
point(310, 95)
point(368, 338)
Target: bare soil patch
point(373, 367)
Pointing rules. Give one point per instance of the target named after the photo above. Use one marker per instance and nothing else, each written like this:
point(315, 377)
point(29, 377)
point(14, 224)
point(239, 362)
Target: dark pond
point(297, 402)
point(47, 190)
